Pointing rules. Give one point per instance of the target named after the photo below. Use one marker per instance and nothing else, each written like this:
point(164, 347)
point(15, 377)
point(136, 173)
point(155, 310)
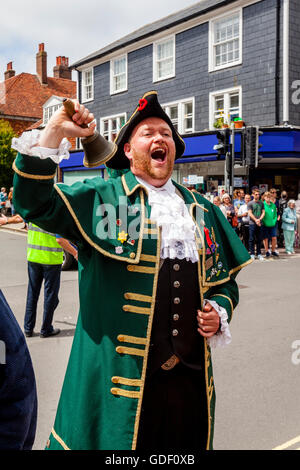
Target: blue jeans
point(37, 273)
point(254, 239)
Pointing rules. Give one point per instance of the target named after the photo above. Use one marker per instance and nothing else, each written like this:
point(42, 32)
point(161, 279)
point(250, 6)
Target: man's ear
point(127, 150)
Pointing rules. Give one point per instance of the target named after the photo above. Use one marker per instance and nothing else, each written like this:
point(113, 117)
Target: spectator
point(297, 205)
point(236, 194)
point(14, 219)
point(226, 201)
point(256, 213)
point(282, 205)
point(274, 199)
point(237, 203)
point(289, 225)
point(269, 225)
point(3, 200)
point(9, 197)
point(18, 396)
point(218, 202)
point(244, 217)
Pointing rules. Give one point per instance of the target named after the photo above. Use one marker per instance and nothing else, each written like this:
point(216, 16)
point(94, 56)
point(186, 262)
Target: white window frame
point(109, 119)
point(180, 104)
point(84, 98)
point(155, 68)
point(211, 46)
point(49, 109)
point(113, 91)
point(226, 93)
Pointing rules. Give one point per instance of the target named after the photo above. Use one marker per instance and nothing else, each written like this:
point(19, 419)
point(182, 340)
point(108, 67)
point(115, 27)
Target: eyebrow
point(151, 128)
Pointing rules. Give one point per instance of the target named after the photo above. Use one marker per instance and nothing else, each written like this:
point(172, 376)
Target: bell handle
point(70, 110)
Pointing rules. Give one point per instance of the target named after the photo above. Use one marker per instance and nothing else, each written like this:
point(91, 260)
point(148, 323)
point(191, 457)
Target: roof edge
point(127, 43)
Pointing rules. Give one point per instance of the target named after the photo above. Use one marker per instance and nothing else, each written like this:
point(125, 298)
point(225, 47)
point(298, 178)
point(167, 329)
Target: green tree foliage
point(7, 154)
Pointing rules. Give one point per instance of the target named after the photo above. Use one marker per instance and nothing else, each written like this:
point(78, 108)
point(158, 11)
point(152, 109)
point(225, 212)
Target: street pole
point(232, 160)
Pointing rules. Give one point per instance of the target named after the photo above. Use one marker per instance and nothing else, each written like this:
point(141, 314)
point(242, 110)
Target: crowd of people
point(263, 220)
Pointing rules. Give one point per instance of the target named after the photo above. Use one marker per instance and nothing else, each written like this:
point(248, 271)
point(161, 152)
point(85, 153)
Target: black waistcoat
point(174, 329)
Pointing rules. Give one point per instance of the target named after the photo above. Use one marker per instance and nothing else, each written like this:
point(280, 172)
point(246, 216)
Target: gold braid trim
point(126, 381)
point(59, 440)
point(139, 297)
point(150, 222)
point(150, 231)
point(134, 309)
point(32, 177)
point(131, 339)
point(208, 390)
point(125, 393)
point(149, 328)
point(131, 351)
point(141, 269)
point(150, 258)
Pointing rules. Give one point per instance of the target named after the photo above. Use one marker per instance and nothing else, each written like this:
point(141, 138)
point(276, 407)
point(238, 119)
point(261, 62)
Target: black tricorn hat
point(148, 106)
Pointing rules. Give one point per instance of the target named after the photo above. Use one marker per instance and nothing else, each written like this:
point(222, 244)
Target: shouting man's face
point(151, 151)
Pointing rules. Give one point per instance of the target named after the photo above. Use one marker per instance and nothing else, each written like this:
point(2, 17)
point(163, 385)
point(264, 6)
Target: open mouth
point(159, 155)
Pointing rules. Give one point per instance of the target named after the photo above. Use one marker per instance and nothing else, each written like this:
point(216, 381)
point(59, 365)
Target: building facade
point(214, 61)
point(28, 100)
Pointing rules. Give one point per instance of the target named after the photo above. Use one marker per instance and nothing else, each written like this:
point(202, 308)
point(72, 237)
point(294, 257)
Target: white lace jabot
point(178, 229)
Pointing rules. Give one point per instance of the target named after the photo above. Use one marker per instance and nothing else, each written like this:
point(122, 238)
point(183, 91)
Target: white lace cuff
point(223, 337)
point(28, 144)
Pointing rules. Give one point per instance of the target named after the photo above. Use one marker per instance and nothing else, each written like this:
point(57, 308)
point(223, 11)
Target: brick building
point(28, 100)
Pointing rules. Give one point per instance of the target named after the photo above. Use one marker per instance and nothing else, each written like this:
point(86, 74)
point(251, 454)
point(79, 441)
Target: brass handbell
point(97, 150)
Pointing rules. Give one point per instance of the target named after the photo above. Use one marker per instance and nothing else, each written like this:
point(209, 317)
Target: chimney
point(9, 71)
point(41, 64)
point(61, 69)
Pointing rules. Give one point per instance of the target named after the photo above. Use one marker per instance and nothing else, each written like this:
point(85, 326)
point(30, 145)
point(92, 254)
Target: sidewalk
point(14, 228)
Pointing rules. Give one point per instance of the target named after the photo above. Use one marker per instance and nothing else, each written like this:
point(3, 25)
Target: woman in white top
point(217, 202)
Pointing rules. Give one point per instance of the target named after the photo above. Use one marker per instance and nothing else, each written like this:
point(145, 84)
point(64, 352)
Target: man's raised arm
point(35, 198)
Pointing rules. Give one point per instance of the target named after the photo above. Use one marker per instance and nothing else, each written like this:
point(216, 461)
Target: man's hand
point(208, 321)
point(61, 125)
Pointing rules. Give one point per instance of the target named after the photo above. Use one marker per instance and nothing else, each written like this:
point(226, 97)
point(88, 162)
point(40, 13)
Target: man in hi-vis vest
point(45, 258)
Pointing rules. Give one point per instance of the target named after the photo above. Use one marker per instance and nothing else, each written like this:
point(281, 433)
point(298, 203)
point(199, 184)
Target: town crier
point(157, 267)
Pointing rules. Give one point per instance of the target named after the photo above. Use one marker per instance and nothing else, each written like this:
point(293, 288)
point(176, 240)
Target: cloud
point(71, 28)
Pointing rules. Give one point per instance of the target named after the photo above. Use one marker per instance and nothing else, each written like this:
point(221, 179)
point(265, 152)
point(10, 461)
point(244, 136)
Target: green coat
point(100, 403)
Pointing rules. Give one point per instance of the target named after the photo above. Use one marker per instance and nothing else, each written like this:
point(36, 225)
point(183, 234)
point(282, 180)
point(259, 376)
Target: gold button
point(176, 267)
point(177, 300)
point(175, 332)
point(132, 255)
point(175, 317)
point(176, 284)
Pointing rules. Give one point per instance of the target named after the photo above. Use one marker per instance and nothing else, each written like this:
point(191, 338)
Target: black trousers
point(174, 411)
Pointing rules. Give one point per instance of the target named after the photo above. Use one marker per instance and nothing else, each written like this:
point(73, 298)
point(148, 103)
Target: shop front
point(201, 168)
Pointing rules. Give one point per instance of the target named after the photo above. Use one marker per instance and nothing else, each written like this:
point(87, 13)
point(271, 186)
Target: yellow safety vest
point(42, 246)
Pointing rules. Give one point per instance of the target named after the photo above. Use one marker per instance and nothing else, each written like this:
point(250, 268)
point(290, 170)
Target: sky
point(71, 28)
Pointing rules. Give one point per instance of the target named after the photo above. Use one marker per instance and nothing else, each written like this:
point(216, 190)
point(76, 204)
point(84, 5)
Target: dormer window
point(49, 108)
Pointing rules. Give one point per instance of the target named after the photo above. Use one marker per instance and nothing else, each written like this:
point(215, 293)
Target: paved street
point(257, 377)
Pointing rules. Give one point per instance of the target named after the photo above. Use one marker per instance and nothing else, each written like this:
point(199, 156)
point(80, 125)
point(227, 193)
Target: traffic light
point(251, 146)
point(223, 145)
